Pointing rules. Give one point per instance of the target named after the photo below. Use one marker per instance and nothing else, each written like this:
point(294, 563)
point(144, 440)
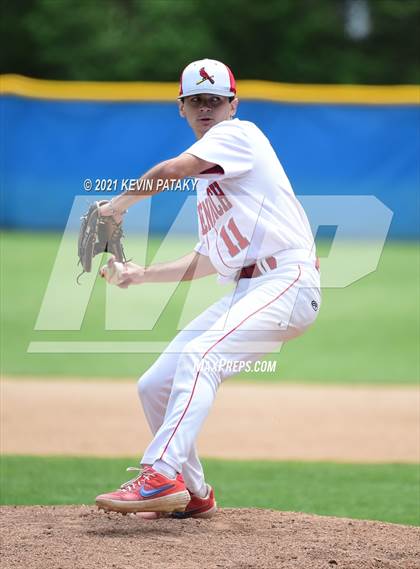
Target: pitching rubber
point(173, 503)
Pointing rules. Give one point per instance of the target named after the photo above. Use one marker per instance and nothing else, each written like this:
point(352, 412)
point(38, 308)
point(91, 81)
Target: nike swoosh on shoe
point(149, 493)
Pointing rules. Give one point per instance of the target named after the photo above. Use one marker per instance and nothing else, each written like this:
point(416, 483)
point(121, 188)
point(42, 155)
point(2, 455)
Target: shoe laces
point(144, 474)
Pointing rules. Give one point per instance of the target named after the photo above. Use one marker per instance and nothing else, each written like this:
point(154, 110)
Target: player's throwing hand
point(122, 274)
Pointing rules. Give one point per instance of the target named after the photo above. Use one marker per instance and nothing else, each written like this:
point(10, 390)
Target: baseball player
point(252, 231)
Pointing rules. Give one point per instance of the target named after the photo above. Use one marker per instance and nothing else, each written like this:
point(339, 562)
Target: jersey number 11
point(241, 241)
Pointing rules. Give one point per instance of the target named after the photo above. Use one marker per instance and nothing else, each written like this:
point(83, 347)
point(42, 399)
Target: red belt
point(253, 271)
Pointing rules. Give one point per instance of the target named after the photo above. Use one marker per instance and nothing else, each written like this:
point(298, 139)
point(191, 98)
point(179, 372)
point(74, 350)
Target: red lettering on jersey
point(241, 241)
point(231, 247)
point(217, 207)
point(204, 228)
point(217, 190)
point(211, 219)
point(209, 211)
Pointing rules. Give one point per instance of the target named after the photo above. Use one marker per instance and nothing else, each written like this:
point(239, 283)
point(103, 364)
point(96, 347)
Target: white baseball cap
point(207, 76)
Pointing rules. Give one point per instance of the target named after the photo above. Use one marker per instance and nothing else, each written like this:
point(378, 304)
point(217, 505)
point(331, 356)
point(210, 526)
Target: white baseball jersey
point(247, 209)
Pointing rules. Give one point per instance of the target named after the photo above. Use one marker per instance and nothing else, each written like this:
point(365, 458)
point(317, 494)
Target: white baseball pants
point(178, 390)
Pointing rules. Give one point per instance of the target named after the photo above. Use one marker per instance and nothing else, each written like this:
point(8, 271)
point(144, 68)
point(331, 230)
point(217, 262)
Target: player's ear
point(181, 108)
point(234, 107)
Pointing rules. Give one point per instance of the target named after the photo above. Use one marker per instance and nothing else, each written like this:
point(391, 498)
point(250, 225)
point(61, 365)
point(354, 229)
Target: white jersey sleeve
point(202, 248)
point(226, 145)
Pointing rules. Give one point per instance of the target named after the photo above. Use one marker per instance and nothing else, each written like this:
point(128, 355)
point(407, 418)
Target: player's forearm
point(187, 268)
point(151, 183)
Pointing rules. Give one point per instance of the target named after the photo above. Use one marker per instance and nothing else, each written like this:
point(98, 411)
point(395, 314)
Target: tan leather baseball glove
point(99, 235)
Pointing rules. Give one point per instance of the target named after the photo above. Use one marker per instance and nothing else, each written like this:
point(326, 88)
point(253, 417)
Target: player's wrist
point(154, 274)
point(117, 211)
point(112, 209)
point(147, 274)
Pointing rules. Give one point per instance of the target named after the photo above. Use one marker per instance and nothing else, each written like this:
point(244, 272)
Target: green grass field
point(387, 492)
point(365, 333)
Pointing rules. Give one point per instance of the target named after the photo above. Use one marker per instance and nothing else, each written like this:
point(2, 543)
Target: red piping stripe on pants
point(215, 344)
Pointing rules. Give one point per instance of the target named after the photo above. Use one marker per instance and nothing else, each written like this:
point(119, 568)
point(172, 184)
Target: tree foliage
point(297, 41)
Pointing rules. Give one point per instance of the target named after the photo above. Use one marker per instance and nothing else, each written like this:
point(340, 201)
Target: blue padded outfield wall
point(50, 146)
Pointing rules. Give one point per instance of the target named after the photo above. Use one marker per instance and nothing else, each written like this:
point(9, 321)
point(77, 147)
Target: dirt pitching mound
point(79, 537)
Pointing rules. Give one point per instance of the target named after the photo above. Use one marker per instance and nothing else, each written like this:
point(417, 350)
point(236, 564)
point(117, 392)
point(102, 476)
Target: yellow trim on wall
point(337, 94)
point(87, 90)
point(249, 90)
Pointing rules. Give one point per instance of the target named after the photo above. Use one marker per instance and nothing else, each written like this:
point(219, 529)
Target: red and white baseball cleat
point(196, 508)
point(199, 507)
point(150, 491)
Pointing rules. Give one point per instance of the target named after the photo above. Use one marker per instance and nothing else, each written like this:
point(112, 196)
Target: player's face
point(205, 110)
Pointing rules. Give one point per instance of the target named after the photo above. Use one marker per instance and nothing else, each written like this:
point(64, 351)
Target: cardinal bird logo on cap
point(205, 77)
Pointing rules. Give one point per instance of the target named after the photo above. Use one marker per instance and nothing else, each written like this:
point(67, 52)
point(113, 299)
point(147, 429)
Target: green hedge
point(299, 41)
